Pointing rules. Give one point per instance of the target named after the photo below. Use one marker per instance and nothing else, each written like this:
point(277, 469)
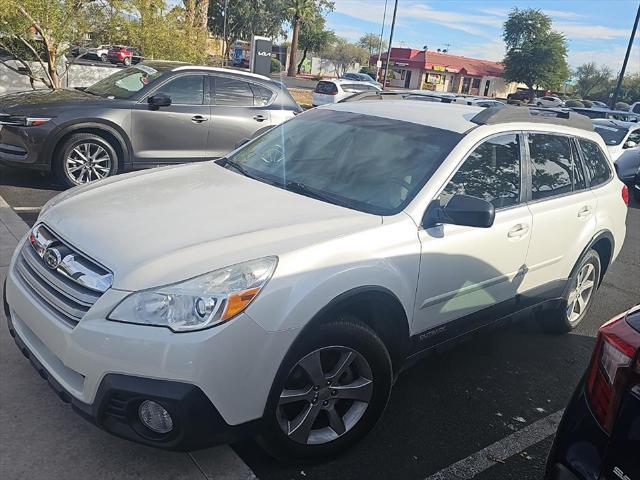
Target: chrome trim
point(72, 265)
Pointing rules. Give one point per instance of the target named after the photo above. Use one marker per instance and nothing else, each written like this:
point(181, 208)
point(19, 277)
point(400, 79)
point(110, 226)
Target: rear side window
point(229, 91)
point(327, 88)
point(552, 167)
point(185, 90)
point(595, 162)
point(491, 172)
point(262, 95)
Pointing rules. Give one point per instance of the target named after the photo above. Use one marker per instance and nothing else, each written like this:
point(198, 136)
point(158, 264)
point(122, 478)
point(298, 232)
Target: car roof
point(232, 71)
point(447, 116)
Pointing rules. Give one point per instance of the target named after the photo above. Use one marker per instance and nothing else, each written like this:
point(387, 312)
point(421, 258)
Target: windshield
point(610, 134)
point(372, 164)
point(124, 83)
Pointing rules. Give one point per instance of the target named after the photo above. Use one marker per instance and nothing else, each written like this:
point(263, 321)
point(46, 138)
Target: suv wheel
point(104, 58)
point(582, 287)
point(84, 158)
point(126, 61)
point(331, 390)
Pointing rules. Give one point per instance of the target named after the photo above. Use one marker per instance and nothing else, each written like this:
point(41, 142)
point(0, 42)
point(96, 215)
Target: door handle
point(259, 118)
point(198, 119)
point(584, 212)
point(520, 230)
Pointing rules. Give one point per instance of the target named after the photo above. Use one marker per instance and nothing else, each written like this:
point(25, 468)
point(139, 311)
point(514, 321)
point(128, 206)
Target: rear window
point(328, 88)
point(610, 134)
point(595, 162)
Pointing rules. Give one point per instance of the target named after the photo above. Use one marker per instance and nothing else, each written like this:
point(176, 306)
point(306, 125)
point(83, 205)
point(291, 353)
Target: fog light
point(155, 417)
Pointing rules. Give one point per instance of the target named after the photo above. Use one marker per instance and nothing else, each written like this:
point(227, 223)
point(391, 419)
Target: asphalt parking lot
point(485, 409)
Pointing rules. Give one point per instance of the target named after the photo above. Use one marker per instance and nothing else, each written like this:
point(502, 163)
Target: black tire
point(557, 320)
point(74, 141)
point(347, 331)
point(104, 58)
point(126, 61)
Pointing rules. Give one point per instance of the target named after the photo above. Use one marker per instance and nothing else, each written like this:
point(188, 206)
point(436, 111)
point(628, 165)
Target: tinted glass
point(262, 95)
point(368, 163)
point(326, 88)
point(185, 90)
point(634, 137)
point(126, 82)
point(229, 91)
point(595, 162)
point(610, 134)
point(551, 165)
point(491, 172)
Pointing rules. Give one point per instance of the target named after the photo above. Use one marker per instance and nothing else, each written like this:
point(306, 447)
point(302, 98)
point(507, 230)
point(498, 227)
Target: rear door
point(177, 133)
point(563, 209)
point(239, 108)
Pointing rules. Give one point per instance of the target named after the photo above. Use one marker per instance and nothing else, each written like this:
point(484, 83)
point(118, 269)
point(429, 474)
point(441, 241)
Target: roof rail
point(495, 115)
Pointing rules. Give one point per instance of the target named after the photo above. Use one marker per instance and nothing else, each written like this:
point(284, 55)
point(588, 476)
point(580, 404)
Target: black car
point(153, 113)
point(621, 115)
point(599, 435)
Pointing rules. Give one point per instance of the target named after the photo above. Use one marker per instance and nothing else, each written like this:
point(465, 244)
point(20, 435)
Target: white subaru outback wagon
point(278, 291)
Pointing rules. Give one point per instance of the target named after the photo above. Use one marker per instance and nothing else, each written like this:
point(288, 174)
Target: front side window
point(185, 90)
point(634, 136)
point(368, 163)
point(552, 167)
point(229, 91)
point(491, 172)
point(595, 162)
point(126, 82)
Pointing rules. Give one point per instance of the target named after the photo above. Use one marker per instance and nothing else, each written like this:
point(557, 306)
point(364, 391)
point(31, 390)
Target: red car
point(124, 55)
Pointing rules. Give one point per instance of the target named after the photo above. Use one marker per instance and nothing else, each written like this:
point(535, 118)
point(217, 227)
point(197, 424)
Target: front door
point(464, 270)
point(239, 109)
point(407, 79)
point(177, 133)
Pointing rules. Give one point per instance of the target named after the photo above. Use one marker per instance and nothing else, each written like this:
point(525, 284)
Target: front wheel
point(577, 302)
point(330, 392)
point(126, 61)
point(84, 158)
point(104, 58)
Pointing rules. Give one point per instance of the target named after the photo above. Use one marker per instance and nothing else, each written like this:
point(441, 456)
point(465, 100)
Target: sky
point(596, 30)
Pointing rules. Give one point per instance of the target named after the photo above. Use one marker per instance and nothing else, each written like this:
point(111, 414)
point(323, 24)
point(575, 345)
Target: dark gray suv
point(154, 113)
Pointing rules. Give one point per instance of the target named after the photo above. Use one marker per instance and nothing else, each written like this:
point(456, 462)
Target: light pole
point(614, 99)
point(393, 25)
point(225, 47)
point(378, 64)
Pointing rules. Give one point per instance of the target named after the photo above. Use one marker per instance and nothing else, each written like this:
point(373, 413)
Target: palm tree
point(298, 10)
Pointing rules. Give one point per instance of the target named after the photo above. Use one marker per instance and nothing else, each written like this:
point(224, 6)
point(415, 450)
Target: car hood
point(45, 101)
point(158, 227)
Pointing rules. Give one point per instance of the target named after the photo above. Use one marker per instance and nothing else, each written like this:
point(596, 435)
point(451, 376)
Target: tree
point(536, 55)
point(590, 77)
point(41, 31)
point(344, 55)
point(371, 42)
point(299, 11)
point(314, 38)
point(246, 18)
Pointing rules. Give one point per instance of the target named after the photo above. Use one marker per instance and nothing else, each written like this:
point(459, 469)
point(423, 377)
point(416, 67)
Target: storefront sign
point(439, 68)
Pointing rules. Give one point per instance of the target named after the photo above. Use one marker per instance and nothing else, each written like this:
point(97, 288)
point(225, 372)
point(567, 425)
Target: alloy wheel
point(581, 295)
point(325, 395)
point(87, 162)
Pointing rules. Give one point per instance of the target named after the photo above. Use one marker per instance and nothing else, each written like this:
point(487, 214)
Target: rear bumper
point(197, 423)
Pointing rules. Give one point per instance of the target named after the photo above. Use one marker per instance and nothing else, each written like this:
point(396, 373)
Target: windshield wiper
point(238, 168)
point(302, 189)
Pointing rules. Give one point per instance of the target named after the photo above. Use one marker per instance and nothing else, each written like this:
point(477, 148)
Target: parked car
point(361, 77)
point(478, 102)
point(607, 113)
point(375, 95)
point(635, 107)
point(431, 96)
point(598, 104)
point(332, 91)
point(599, 435)
point(549, 101)
point(125, 55)
point(520, 96)
point(100, 53)
point(623, 142)
point(150, 114)
point(279, 290)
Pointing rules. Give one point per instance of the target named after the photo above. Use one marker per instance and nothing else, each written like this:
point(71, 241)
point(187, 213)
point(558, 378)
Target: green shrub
point(587, 103)
point(276, 66)
point(574, 103)
point(369, 70)
point(622, 106)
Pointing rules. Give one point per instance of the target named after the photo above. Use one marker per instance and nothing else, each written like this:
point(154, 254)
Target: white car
point(635, 107)
point(479, 102)
point(280, 290)
point(99, 53)
point(549, 102)
point(623, 142)
point(333, 91)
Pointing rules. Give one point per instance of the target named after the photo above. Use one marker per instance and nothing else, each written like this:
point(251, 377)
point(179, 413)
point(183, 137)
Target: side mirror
point(630, 144)
point(461, 210)
point(159, 100)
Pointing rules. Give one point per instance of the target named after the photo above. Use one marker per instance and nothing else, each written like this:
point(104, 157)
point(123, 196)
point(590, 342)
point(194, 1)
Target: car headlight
point(200, 302)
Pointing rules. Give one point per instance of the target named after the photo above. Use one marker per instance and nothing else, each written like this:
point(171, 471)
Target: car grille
point(62, 279)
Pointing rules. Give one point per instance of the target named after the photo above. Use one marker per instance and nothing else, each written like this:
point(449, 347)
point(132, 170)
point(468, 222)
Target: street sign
point(379, 64)
point(260, 55)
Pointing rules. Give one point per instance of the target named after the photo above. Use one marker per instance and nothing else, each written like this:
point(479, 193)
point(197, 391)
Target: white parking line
point(501, 450)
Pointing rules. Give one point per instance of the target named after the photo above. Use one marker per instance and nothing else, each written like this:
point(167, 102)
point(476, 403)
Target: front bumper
point(22, 146)
point(197, 423)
